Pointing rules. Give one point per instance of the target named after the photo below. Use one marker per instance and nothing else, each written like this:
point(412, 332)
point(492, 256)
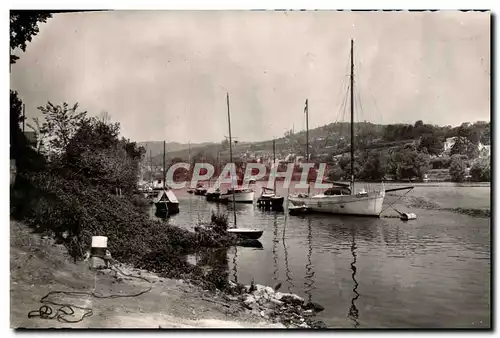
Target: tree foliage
point(432, 143)
point(408, 163)
point(481, 171)
point(458, 168)
point(60, 124)
point(23, 26)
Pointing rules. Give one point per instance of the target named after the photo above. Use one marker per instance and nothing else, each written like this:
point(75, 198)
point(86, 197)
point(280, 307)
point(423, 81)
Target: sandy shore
point(39, 266)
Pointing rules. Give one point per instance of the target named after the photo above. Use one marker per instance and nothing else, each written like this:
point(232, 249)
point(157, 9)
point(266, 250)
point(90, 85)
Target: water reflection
point(353, 310)
point(309, 284)
point(287, 268)
point(275, 248)
point(235, 268)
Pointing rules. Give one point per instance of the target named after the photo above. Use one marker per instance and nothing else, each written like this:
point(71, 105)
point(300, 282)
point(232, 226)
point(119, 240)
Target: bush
point(440, 163)
point(219, 222)
point(84, 211)
point(458, 168)
point(480, 172)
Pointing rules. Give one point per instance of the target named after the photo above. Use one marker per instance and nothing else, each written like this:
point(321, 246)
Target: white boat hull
point(240, 197)
point(363, 205)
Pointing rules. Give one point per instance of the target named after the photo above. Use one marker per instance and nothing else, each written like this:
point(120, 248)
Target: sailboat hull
point(362, 205)
point(239, 197)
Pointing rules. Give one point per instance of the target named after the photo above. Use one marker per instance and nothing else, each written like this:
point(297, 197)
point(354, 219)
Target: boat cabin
point(338, 191)
point(166, 196)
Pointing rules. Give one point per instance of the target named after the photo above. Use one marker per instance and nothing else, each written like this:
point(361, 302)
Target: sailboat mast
point(307, 129)
point(231, 155)
point(307, 141)
point(150, 166)
point(352, 116)
point(274, 162)
point(164, 174)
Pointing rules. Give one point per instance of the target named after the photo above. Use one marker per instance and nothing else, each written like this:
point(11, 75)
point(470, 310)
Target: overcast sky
point(164, 75)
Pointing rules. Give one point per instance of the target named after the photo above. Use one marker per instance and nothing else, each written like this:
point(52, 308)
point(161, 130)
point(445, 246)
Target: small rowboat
point(246, 233)
point(298, 210)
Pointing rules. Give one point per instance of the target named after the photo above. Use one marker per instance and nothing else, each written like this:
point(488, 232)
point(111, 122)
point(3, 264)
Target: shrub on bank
point(81, 211)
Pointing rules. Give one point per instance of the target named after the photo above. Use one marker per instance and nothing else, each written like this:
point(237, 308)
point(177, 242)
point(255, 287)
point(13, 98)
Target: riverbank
point(39, 266)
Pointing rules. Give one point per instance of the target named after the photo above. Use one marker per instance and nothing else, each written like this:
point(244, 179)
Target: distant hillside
point(328, 140)
point(156, 147)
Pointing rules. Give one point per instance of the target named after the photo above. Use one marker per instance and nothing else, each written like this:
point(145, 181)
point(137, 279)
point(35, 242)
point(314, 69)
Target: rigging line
point(346, 97)
point(342, 101)
point(343, 83)
point(343, 108)
point(391, 205)
point(377, 114)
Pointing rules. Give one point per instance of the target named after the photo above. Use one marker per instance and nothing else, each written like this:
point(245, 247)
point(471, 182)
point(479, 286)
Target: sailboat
point(213, 193)
point(342, 198)
point(268, 197)
point(240, 232)
point(238, 194)
point(166, 202)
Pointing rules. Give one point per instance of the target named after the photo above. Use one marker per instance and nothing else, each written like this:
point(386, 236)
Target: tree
point(375, 166)
point(458, 168)
point(481, 171)
point(463, 146)
point(336, 173)
point(407, 163)
point(16, 135)
point(37, 129)
point(95, 155)
point(432, 143)
point(23, 26)
point(60, 125)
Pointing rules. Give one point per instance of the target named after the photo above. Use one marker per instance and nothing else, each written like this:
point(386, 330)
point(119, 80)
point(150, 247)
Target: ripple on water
point(431, 272)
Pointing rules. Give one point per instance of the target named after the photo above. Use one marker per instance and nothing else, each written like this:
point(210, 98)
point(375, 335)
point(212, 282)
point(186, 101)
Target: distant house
point(484, 150)
point(449, 143)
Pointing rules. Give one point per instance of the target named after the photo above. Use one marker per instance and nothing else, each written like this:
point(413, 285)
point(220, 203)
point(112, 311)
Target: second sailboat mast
point(352, 117)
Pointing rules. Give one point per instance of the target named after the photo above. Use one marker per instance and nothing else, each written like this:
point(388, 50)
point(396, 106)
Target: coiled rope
point(60, 311)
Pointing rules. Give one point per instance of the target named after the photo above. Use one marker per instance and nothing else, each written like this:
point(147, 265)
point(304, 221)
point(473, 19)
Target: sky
point(164, 75)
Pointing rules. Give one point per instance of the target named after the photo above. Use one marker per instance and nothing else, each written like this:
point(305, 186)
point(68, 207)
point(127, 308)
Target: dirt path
point(39, 266)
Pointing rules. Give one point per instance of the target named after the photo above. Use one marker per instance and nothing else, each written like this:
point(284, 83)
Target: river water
point(432, 272)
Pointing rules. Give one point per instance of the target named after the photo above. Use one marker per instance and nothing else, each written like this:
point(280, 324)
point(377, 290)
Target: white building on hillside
point(449, 143)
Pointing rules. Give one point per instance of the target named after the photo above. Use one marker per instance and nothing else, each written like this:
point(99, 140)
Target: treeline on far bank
point(83, 184)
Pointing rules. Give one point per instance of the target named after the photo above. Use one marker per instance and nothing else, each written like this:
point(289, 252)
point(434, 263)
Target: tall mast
point(307, 129)
point(231, 156)
point(164, 174)
point(307, 141)
point(150, 166)
point(352, 116)
point(274, 163)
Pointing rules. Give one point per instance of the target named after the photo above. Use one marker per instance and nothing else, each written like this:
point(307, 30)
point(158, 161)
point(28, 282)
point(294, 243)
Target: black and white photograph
point(250, 169)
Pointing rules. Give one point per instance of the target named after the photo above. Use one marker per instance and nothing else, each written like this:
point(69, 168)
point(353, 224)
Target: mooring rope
point(61, 310)
point(391, 205)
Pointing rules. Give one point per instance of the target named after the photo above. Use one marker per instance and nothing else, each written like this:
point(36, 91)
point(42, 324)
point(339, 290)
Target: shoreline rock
point(288, 309)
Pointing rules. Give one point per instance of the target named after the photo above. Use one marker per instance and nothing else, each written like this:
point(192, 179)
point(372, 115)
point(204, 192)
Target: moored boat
point(200, 190)
point(246, 233)
point(241, 195)
point(269, 200)
point(213, 194)
point(342, 200)
point(166, 202)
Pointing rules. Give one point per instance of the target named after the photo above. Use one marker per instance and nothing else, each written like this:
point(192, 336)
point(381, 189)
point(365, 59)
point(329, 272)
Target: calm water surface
point(433, 272)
